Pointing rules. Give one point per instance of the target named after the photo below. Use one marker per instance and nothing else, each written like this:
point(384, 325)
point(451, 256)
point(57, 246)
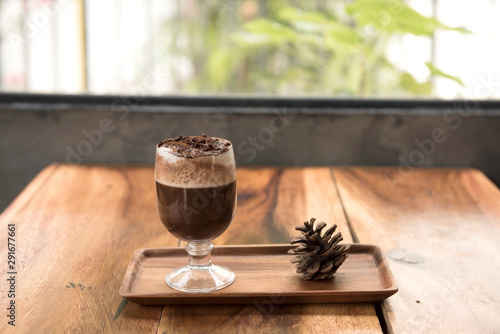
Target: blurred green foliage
point(285, 47)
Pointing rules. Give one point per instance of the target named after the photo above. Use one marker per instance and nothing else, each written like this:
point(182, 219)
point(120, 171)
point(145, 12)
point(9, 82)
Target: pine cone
point(318, 256)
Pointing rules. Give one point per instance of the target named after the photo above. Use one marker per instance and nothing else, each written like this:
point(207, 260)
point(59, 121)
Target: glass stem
point(199, 254)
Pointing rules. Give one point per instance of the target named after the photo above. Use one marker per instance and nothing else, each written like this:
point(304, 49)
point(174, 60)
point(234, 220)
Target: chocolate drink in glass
point(196, 200)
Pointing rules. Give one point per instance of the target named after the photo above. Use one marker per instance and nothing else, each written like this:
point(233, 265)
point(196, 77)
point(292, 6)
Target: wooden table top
point(77, 227)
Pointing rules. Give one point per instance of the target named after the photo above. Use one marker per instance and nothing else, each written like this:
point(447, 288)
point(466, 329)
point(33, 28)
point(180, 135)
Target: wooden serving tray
point(263, 273)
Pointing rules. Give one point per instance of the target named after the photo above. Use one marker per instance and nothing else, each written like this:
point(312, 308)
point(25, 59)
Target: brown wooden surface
point(263, 273)
point(440, 230)
point(271, 202)
point(80, 225)
point(77, 227)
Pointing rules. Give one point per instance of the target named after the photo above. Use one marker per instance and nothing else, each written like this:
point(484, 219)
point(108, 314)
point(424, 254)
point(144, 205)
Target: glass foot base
point(204, 279)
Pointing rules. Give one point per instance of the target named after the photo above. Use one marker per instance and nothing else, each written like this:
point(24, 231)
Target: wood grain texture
point(27, 194)
point(263, 273)
point(271, 202)
point(77, 227)
point(74, 231)
point(268, 318)
point(440, 230)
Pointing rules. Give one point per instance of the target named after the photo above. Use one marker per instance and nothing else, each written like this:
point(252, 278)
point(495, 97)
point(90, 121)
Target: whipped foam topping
point(203, 171)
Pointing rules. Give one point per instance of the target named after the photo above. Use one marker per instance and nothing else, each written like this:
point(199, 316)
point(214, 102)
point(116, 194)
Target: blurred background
point(343, 48)
point(289, 82)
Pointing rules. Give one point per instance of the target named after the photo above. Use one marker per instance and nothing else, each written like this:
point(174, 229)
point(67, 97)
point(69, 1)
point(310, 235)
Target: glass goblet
point(196, 201)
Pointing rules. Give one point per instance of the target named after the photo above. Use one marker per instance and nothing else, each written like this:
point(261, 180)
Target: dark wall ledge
point(244, 104)
point(37, 130)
